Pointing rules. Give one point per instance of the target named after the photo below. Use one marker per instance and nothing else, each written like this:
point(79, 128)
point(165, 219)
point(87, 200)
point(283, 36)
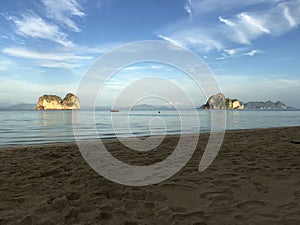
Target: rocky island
point(219, 101)
point(54, 102)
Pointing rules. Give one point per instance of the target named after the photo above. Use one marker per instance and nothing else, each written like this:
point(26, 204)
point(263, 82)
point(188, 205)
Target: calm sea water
point(33, 127)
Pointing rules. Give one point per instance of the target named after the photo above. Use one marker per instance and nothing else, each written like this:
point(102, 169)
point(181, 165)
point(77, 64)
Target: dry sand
point(255, 179)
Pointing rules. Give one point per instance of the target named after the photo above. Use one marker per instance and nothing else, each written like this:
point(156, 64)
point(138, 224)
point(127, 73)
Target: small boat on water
point(114, 110)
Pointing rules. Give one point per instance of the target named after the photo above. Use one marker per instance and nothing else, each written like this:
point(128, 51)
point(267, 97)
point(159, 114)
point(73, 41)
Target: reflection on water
point(57, 118)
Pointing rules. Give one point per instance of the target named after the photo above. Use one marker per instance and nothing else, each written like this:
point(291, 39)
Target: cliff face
point(219, 101)
point(54, 102)
point(71, 102)
point(233, 104)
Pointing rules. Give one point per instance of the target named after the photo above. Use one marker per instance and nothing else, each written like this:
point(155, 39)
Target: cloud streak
point(33, 26)
point(188, 9)
point(63, 11)
point(244, 28)
point(212, 6)
point(289, 18)
point(50, 60)
point(195, 39)
point(253, 52)
point(25, 53)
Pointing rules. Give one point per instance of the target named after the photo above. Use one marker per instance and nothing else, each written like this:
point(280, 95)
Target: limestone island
point(54, 102)
point(219, 101)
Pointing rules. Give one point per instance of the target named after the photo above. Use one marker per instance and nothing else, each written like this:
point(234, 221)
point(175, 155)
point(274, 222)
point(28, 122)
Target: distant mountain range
point(149, 107)
point(266, 105)
point(21, 106)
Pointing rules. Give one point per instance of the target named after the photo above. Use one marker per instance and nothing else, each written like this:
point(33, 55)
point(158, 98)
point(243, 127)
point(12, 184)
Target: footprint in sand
point(261, 188)
point(155, 196)
point(241, 218)
point(250, 204)
point(297, 193)
point(185, 216)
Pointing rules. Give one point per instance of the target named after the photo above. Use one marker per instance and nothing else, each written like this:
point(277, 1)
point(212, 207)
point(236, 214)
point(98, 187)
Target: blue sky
point(252, 47)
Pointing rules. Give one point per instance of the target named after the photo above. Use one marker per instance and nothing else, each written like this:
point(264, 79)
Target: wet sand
point(255, 179)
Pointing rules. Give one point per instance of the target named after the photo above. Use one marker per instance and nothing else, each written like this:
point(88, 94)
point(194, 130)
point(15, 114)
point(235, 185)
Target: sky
point(252, 47)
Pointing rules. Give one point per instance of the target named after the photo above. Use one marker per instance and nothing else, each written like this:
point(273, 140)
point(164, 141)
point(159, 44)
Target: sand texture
point(255, 179)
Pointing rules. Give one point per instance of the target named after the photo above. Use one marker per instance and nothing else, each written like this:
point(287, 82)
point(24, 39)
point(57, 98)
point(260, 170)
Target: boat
point(114, 110)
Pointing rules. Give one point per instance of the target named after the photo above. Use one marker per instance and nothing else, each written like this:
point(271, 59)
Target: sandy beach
point(255, 179)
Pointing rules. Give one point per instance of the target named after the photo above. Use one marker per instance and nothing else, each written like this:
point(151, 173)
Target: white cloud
point(230, 51)
point(61, 65)
point(33, 26)
point(25, 53)
point(250, 22)
point(209, 6)
point(50, 60)
point(98, 49)
point(254, 25)
point(63, 11)
point(188, 9)
point(253, 52)
point(235, 31)
point(227, 22)
point(194, 38)
point(170, 40)
point(289, 18)
point(245, 28)
point(276, 20)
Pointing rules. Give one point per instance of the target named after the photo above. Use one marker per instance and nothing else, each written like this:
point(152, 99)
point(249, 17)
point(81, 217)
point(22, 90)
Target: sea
point(29, 127)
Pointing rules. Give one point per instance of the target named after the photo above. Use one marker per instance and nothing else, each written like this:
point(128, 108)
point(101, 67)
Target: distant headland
point(54, 102)
point(219, 101)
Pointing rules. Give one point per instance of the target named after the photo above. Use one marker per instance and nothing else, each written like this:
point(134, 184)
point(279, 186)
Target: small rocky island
point(54, 102)
point(219, 101)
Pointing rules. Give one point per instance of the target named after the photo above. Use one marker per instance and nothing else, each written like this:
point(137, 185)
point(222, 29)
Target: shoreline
point(253, 180)
point(15, 146)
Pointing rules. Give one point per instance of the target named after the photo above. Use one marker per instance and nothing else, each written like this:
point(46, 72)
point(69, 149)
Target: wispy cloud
point(238, 52)
point(50, 23)
point(232, 34)
point(253, 52)
point(61, 65)
point(289, 18)
point(196, 39)
point(212, 6)
point(31, 25)
point(52, 60)
point(25, 53)
point(188, 9)
point(245, 27)
point(254, 25)
point(230, 51)
point(63, 11)
point(171, 40)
